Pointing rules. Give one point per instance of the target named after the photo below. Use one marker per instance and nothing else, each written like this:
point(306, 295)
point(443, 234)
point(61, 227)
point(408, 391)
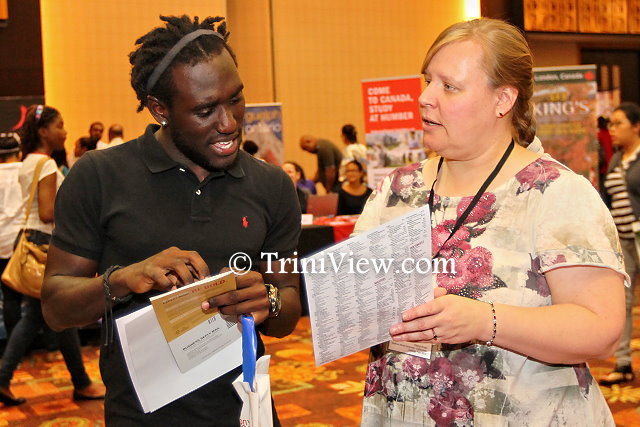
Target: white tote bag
point(253, 386)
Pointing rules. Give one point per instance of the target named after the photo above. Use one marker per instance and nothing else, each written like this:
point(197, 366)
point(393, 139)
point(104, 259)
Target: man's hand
point(165, 271)
point(71, 281)
point(250, 297)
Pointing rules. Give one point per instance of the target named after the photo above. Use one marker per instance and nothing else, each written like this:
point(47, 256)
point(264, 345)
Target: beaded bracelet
point(495, 325)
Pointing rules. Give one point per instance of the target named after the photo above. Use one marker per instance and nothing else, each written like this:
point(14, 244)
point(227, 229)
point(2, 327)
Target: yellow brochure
point(193, 334)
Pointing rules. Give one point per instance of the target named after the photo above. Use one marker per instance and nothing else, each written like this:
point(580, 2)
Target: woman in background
point(622, 185)
point(11, 219)
point(301, 180)
point(42, 133)
point(353, 150)
point(296, 173)
point(353, 192)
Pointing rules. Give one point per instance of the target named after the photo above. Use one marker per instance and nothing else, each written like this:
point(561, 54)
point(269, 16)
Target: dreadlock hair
point(29, 130)
point(154, 45)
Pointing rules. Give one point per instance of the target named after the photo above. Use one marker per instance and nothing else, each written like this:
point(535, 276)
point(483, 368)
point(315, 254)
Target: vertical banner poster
point(566, 106)
point(263, 125)
point(392, 124)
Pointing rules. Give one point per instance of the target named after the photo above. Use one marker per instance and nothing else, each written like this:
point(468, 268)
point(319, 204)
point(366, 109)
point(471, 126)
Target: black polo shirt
point(127, 203)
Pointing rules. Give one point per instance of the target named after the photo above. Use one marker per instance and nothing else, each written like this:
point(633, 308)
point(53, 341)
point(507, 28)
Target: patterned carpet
point(305, 395)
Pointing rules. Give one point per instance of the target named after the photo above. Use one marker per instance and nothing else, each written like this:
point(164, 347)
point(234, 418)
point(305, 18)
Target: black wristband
point(110, 299)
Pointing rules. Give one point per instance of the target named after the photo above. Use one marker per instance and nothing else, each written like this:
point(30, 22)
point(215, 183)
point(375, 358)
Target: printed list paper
point(358, 288)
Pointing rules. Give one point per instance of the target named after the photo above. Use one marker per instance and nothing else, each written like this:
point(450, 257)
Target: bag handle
point(249, 349)
point(32, 189)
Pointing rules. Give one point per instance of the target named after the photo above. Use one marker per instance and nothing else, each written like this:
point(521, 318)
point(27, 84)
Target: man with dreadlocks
point(169, 208)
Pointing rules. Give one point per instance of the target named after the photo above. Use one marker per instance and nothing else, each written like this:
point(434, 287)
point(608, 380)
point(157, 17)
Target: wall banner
point(566, 107)
point(392, 124)
point(13, 110)
point(263, 125)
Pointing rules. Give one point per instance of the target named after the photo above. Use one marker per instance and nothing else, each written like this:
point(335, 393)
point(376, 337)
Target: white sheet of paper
point(152, 368)
point(200, 343)
point(352, 308)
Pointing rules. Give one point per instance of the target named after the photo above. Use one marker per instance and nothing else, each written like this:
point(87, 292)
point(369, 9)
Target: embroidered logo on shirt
point(245, 223)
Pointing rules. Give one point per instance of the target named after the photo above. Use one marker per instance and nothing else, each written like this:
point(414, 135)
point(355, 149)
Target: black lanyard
point(476, 198)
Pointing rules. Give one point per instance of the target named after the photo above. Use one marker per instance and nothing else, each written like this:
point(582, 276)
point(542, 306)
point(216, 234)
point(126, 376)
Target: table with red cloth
point(342, 225)
point(325, 232)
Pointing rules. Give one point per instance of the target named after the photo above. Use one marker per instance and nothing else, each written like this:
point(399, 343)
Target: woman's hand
point(451, 318)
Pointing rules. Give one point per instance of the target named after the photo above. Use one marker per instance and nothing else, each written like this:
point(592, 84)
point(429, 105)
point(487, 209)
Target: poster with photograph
point(263, 125)
point(392, 124)
point(566, 108)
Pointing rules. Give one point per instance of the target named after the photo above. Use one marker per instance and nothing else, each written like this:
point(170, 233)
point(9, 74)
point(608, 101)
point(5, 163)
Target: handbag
point(25, 269)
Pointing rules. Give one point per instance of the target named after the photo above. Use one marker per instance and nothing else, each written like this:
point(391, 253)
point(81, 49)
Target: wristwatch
point(275, 303)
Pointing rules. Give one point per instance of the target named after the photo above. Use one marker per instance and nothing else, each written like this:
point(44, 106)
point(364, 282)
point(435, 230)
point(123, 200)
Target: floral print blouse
point(543, 218)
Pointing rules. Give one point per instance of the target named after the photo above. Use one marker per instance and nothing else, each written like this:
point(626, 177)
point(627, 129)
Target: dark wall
point(509, 10)
point(629, 63)
point(21, 50)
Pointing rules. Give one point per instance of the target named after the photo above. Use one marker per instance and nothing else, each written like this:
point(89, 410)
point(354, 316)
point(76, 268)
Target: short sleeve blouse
point(544, 218)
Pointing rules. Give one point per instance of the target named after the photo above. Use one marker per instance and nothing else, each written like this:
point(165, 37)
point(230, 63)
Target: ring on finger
point(435, 336)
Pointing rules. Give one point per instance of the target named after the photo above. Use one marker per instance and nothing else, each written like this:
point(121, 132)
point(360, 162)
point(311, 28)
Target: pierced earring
point(501, 115)
point(164, 123)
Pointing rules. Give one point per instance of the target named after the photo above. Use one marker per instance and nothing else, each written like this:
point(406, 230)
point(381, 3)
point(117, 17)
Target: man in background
point(116, 134)
point(329, 158)
point(86, 143)
point(96, 130)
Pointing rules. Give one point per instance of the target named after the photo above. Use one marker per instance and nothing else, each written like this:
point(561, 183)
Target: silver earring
point(163, 123)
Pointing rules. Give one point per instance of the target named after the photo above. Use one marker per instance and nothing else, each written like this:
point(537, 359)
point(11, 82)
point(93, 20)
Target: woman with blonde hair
point(538, 284)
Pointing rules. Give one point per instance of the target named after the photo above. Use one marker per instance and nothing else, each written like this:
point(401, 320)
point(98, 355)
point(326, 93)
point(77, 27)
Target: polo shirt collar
point(157, 159)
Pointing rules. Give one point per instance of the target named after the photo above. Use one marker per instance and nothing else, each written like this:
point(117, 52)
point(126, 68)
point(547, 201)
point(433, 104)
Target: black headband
point(170, 56)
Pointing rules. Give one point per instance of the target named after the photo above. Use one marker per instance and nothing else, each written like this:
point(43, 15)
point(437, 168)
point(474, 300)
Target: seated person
point(353, 192)
point(295, 172)
point(308, 185)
